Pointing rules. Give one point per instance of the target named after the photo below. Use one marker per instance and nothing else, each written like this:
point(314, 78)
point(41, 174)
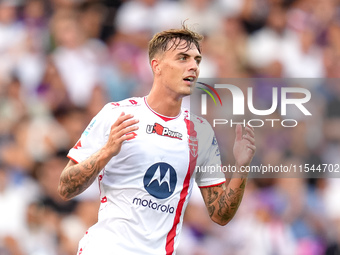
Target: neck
point(163, 103)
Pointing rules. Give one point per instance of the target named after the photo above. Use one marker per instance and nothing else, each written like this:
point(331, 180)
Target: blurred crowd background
point(61, 61)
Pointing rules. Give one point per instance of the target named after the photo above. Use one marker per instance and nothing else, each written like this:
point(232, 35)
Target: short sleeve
point(208, 166)
point(93, 138)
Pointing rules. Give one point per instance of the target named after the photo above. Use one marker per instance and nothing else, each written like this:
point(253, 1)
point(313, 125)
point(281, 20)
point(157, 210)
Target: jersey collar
point(165, 118)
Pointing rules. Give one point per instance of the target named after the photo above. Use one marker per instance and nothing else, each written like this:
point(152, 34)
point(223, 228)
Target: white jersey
point(145, 188)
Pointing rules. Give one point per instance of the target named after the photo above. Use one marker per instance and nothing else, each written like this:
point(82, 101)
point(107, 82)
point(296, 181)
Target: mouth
point(190, 79)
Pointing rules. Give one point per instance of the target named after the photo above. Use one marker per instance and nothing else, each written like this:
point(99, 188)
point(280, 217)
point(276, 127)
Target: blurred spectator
point(52, 91)
point(334, 245)
point(205, 15)
point(304, 59)
point(48, 176)
point(93, 15)
point(34, 135)
point(12, 106)
point(254, 14)
point(17, 191)
point(19, 50)
point(231, 8)
point(121, 77)
point(150, 16)
point(74, 226)
point(12, 36)
point(267, 45)
point(31, 65)
point(225, 50)
point(332, 51)
point(136, 21)
point(37, 237)
point(73, 122)
point(77, 60)
point(65, 4)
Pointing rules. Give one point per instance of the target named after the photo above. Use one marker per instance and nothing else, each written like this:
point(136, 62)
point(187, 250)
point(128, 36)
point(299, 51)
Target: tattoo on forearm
point(243, 184)
point(222, 203)
point(211, 210)
point(79, 177)
point(223, 207)
point(229, 201)
point(212, 195)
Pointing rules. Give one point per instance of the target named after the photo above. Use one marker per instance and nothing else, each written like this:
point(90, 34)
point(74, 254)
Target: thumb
point(238, 132)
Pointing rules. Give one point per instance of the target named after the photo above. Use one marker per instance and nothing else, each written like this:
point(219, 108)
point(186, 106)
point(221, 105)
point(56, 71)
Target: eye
point(183, 58)
point(198, 61)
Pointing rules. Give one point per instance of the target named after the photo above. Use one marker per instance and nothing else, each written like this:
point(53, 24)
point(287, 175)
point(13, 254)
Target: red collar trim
point(165, 118)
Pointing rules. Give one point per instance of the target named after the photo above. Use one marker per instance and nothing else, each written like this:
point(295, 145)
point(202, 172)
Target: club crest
point(193, 146)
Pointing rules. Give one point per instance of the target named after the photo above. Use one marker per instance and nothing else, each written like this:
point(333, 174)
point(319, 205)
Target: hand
point(120, 132)
point(244, 146)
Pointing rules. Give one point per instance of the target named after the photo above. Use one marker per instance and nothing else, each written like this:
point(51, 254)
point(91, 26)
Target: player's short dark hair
point(166, 40)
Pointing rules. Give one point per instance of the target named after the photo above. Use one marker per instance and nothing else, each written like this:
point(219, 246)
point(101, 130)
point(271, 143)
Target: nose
point(193, 66)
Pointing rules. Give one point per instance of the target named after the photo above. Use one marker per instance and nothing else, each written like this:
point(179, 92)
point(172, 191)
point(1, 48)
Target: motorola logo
point(160, 180)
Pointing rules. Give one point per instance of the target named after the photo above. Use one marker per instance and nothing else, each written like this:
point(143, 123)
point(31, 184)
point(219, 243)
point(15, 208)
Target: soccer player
point(144, 152)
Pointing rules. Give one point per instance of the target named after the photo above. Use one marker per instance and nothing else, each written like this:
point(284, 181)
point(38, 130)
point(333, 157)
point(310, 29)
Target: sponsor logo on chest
point(162, 131)
point(160, 182)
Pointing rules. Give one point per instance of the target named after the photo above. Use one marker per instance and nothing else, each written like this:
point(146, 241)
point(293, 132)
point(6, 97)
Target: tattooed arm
point(223, 201)
point(75, 178)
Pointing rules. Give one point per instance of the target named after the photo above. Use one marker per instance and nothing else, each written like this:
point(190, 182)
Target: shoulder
point(132, 101)
point(197, 121)
point(199, 126)
point(113, 109)
point(128, 103)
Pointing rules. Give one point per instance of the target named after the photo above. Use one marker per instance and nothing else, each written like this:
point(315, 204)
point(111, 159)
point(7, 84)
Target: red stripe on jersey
point(213, 185)
point(75, 161)
point(165, 118)
point(170, 239)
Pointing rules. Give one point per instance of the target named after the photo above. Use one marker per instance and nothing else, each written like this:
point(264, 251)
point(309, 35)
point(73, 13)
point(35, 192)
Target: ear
point(155, 65)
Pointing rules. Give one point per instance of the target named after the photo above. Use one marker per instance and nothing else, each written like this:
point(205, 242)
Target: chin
point(186, 92)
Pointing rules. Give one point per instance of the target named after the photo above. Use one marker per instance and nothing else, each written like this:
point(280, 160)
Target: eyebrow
point(187, 55)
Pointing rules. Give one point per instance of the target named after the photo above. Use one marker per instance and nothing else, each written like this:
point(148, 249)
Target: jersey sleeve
point(208, 170)
point(93, 138)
